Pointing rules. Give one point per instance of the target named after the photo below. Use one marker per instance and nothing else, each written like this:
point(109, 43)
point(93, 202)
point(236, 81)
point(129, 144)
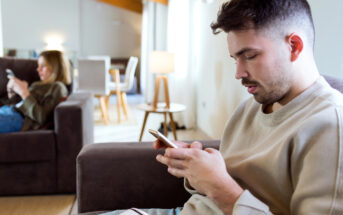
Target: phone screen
point(162, 138)
point(10, 72)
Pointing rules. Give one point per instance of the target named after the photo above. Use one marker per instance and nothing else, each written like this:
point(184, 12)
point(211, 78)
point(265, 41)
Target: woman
point(30, 108)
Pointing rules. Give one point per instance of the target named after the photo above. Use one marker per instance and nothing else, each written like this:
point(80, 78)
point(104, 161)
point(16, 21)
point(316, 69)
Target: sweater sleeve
point(200, 205)
point(316, 165)
point(39, 111)
point(315, 170)
point(247, 204)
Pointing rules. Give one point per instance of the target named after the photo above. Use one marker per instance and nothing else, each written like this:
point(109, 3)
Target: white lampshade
point(161, 62)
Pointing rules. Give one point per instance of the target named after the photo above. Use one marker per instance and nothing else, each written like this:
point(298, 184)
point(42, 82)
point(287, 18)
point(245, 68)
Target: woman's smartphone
point(10, 72)
point(162, 138)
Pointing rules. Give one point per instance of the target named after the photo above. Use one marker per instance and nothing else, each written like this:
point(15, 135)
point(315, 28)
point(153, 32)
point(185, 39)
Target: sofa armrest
point(73, 128)
point(113, 176)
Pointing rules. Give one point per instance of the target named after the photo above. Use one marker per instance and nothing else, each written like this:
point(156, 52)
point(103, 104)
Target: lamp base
point(157, 88)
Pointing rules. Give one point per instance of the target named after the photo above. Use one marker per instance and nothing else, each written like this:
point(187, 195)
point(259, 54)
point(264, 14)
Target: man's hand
point(18, 86)
point(159, 144)
point(205, 171)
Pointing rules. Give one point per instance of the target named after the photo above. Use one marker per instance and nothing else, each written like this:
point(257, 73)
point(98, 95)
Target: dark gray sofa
point(113, 176)
point(44, 161)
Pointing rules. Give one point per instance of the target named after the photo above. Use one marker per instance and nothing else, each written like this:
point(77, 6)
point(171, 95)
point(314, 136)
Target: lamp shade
point(161, 62)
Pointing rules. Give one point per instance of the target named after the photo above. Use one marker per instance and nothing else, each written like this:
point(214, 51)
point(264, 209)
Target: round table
point(161, 109)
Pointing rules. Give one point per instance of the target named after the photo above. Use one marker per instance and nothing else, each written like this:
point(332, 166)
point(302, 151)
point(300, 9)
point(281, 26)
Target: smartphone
point(162, 138)
point(10, 72)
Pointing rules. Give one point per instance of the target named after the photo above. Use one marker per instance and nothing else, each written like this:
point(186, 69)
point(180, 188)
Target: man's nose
point(241, 71)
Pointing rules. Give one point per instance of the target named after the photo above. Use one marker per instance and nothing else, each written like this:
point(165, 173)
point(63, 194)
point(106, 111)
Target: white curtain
point(183, 17)
point(174, 29)
point(1, 39)
point(154, 34)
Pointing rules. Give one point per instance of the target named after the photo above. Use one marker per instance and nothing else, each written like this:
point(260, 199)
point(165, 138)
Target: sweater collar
point(294, 105)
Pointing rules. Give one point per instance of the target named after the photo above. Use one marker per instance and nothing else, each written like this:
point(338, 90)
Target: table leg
point(144, 121)
point(173, 125)
point(165, 125)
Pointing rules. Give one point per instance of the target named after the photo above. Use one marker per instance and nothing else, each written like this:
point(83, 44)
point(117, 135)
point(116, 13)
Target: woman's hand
point(18, 86)
point(9, 87)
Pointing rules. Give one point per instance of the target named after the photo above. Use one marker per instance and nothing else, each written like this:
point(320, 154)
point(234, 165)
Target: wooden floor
point(129, 130)
point(37, 205)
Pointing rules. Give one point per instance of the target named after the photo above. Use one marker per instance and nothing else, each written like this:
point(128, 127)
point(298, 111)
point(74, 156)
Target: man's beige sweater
point(289, 161)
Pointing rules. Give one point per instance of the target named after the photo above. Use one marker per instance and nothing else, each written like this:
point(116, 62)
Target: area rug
point(112, 112)
point(37, 205)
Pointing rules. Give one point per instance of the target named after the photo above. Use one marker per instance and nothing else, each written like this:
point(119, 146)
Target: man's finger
point(157, 144)
point(174, 163)
point(161, 159)
point(176, 172)
point(181, 144)
point(211, 150)
point(179, 153)
point(196, 145)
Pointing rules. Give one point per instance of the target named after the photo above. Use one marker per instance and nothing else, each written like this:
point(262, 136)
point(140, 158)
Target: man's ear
point(296, 45)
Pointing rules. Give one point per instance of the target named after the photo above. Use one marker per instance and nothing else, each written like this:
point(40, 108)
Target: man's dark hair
point(259, 14)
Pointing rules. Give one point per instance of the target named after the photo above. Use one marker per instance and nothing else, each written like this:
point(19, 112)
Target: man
point(281, 152)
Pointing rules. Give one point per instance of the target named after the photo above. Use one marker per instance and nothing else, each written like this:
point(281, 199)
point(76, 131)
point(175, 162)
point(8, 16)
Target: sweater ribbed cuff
point(249, 204)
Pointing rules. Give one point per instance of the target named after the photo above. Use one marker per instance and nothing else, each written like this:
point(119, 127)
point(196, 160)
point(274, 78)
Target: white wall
point(1, 40)
point(327, 16)
point(218, 93)
point(28, 23)
point(108, 30)
point(87, 27)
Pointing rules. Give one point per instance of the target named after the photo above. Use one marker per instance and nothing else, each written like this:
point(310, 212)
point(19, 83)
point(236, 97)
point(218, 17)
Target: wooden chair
point(94, 77)
point(120, 88)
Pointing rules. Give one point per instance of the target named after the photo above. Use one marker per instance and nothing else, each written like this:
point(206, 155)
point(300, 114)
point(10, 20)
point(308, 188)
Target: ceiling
point(132, 5)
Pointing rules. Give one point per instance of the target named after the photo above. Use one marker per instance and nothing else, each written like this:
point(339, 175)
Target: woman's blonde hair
point(60, 67)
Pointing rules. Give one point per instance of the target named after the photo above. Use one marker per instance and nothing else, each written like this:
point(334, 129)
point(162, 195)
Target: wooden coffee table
point(161, 109)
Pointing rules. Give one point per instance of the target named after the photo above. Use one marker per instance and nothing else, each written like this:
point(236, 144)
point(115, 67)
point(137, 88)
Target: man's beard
point(267, 98)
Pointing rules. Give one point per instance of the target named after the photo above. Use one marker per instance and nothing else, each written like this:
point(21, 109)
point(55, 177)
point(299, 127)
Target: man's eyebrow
point(242, 51)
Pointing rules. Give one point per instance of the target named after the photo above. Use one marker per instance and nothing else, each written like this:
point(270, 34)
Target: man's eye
point(250, 57)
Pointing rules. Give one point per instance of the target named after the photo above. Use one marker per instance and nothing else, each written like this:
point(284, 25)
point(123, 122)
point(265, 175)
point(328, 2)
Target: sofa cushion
point(27, 146)
point(336, 83)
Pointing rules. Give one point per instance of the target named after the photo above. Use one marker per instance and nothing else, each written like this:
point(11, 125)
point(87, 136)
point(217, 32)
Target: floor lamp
point(161, 63)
